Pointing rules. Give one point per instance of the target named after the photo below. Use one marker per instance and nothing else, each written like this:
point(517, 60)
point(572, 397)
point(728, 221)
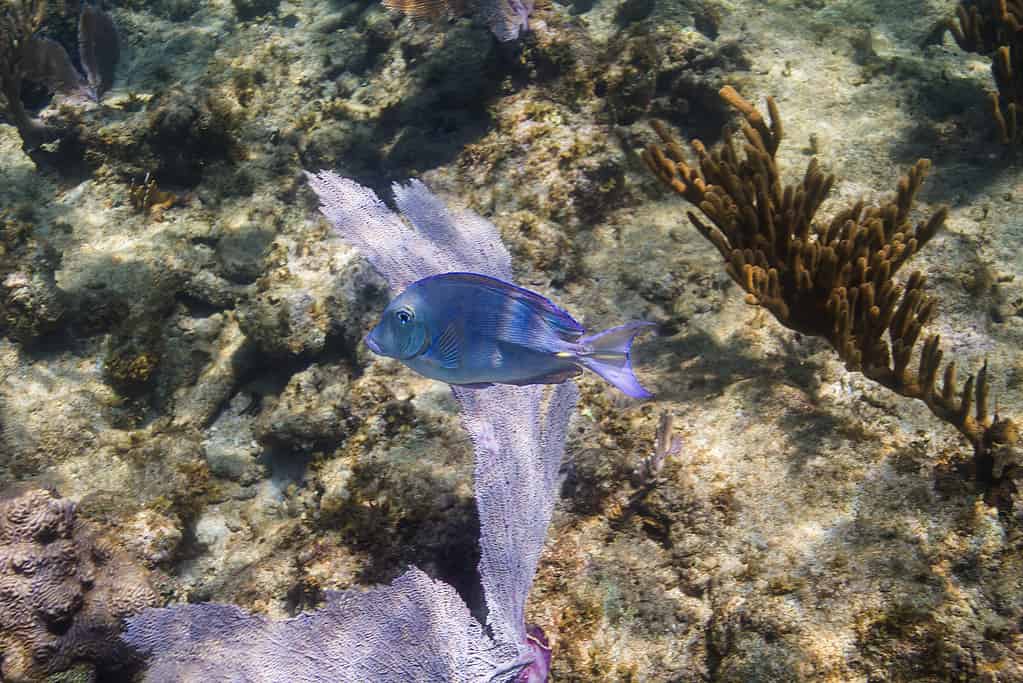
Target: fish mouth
point(372, 344)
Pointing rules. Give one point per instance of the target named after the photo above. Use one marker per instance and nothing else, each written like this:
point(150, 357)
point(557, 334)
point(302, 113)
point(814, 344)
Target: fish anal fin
point(552, 378)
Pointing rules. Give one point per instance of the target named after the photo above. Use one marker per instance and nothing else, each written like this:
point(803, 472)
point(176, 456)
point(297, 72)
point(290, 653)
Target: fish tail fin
point(607, 354)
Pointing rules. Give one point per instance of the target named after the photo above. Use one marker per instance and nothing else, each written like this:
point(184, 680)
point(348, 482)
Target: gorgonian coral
point(418, 628)
point(836, 279)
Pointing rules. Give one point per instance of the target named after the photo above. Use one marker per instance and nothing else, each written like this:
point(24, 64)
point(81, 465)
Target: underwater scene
point(511, 341)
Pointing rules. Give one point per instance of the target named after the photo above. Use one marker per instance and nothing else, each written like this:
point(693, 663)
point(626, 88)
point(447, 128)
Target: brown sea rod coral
point(835, 280)
point(63, 592)
point(995, 28)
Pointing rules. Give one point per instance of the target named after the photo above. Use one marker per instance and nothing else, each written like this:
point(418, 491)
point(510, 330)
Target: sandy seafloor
point(202, 392)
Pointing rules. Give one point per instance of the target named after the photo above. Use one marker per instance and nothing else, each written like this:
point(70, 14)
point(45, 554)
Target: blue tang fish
point(475, 330)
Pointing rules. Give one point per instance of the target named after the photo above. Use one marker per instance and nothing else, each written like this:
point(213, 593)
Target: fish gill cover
point(416, 629)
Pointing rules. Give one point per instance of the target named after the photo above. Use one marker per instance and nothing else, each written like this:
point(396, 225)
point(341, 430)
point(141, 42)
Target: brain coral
point(63, 592)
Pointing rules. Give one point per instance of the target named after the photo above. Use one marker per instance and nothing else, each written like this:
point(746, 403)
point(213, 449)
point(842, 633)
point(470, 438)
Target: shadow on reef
point(948, 125)
point(32, 308)
point(789, 381)
point(450, 78)
point(451, 82)
point(399, 513)
point(907, 634)
point(640, 76)
point(711, 367)
point(995, 29)
point(968, 130)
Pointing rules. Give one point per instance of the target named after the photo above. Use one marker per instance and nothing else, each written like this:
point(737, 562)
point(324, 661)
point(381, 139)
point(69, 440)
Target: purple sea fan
point(432, 239)
point(99, 49)
point(417, 629)
point(519, 437)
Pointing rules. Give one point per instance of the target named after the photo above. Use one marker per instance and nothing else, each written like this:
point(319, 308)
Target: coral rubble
point(63, 592)
point(835, 280)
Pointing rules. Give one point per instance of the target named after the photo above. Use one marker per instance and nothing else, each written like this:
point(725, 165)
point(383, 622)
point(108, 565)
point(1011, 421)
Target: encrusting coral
point(995, 28)
point(835, 280)
point(63, 592)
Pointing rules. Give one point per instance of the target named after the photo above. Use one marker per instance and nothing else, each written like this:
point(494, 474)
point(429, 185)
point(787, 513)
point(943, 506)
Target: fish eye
point(404, 316)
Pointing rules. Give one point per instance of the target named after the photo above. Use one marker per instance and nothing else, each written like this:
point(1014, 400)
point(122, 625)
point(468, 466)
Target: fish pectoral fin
point(449, 346)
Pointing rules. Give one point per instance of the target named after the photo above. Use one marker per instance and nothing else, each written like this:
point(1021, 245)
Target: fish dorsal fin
point(449, 346)
point(528, 303)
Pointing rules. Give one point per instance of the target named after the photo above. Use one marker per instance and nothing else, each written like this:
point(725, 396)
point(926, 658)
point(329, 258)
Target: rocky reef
point(181, 332)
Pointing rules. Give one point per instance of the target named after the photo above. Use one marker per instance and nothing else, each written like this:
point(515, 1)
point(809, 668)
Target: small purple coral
point(540, 668)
